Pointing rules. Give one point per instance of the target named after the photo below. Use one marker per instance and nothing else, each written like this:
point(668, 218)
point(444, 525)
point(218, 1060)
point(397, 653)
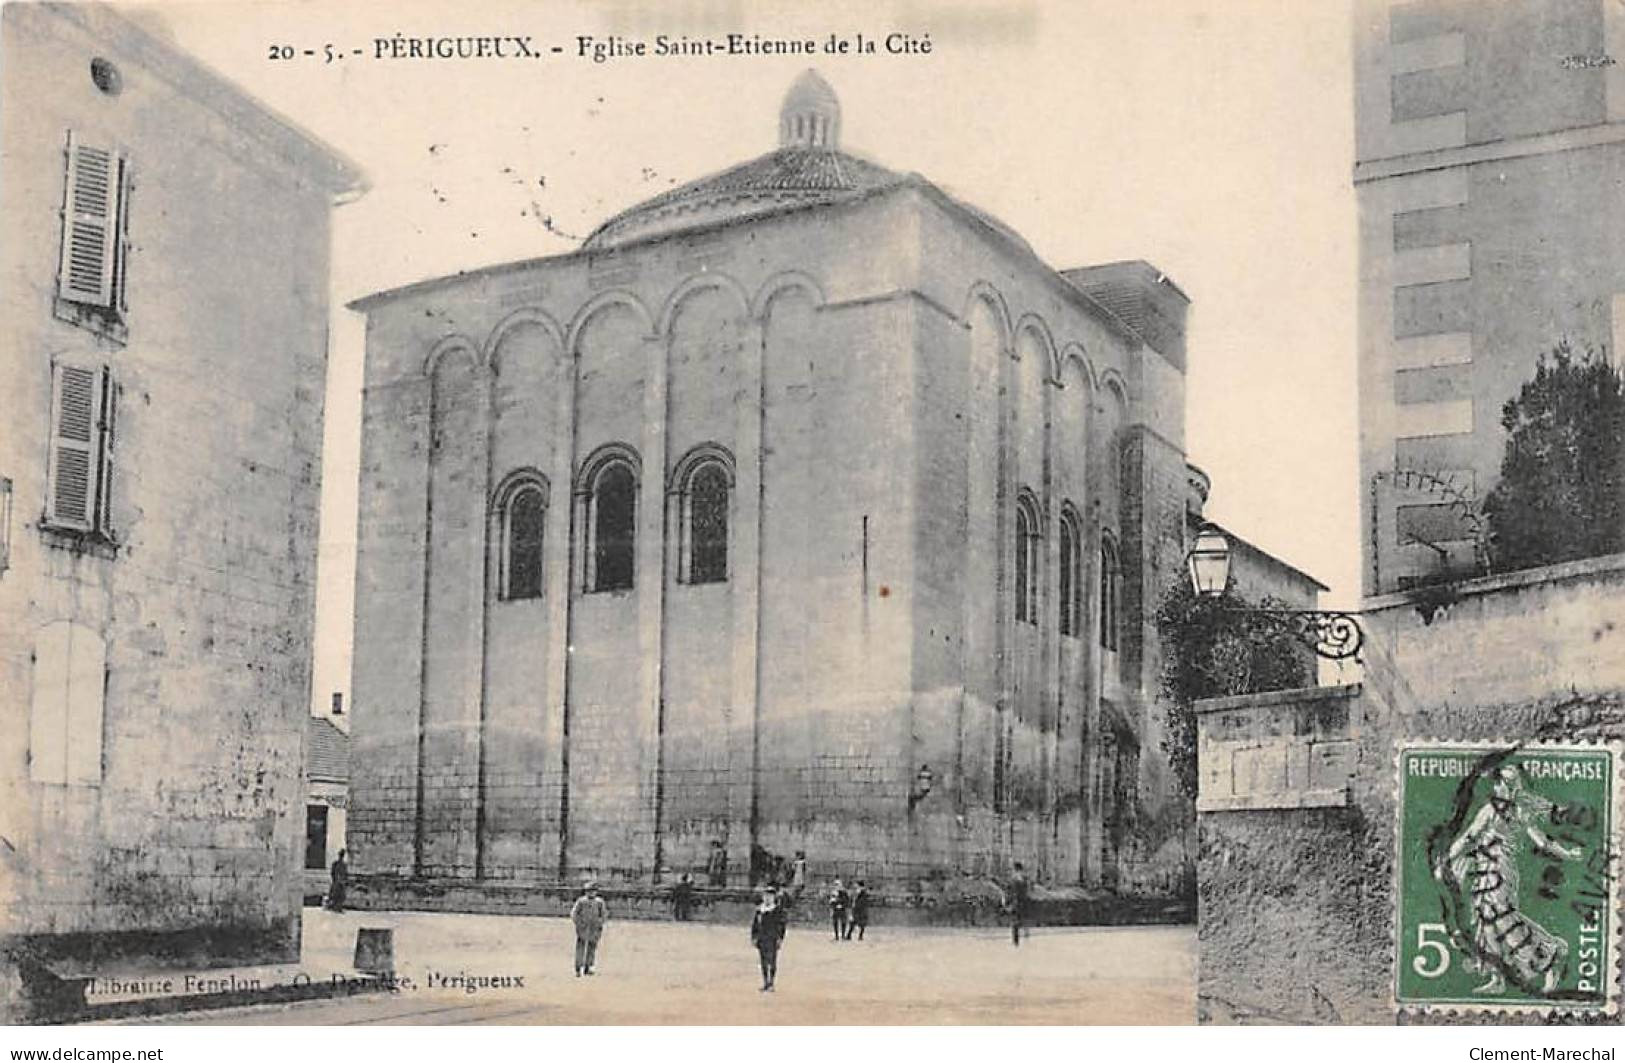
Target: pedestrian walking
point(589, 914)
point(338, 886)
point(1016, 898)
point(767, 926)
point(682, 898)
point(839, 904)
point(716, 866)
point(860, 911)
point(798, 874)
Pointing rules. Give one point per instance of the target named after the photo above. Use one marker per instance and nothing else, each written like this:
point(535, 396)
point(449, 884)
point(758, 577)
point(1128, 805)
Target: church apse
point(739, 539)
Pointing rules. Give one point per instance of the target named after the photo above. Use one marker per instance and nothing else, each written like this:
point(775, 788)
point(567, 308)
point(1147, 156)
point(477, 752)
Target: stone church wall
point(865, 630)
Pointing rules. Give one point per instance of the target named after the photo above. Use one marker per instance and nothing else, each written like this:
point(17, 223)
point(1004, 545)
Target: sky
point(1214, 140)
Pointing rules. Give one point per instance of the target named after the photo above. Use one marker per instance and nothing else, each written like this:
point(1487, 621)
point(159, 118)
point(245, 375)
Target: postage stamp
point(1508, 877)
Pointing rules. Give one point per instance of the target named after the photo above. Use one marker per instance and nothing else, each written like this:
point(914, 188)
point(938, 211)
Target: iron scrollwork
point(1332, 635)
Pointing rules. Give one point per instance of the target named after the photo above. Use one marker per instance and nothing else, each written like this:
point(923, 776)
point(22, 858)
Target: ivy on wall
point(1218, 647)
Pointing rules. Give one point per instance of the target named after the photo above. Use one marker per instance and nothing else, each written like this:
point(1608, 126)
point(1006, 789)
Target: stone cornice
point(1518, 147)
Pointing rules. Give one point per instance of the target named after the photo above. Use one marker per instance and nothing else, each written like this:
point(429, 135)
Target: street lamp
point(1333, 635)
point(1209, 562)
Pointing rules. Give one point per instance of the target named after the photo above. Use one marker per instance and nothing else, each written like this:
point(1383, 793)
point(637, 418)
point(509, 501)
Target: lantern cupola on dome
point(811, 115)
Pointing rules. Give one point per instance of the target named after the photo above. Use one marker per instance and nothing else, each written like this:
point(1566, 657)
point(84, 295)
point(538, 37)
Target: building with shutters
point(163, 344)
point(802, 508)
point(1489, 148)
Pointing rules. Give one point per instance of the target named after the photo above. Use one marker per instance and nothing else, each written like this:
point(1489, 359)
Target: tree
point(1561, 495)
point(1214, 647)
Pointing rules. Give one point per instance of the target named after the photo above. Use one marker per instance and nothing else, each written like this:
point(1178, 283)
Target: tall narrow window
point(1071, 573)
point(523, 527)
point(1111, 582)
point(708, 524)
point(1026, 559)
point(80, 472)
point(90, 280)
point(614, 495)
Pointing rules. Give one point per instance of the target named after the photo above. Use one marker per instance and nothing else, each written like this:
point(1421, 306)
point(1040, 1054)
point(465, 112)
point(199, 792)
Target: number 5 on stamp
point(1508, 870)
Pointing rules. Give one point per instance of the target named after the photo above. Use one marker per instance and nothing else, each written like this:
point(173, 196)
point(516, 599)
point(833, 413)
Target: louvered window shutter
point(121, 232)
point(108, 394)
point(90, 225)
point(74, 485)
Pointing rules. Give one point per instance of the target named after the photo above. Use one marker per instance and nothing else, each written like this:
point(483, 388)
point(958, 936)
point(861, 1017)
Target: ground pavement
point(696, 973)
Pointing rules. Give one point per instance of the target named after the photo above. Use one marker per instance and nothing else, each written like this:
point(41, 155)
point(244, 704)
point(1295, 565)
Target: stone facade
point(162, 454)
point(1297, 803)
point(889, 382)
point(1489, 143)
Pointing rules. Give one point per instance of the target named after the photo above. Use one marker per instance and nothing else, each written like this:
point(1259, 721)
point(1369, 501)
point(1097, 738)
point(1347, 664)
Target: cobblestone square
point(694, 973)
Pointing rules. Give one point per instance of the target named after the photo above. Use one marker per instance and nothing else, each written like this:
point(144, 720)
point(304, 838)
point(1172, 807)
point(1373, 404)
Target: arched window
point(1026, 558)
point(1111, 583)
point(613, 508)
point(522, 525)
point(702, 482)
point(607, 493)
point(708, 525)
point(1071, 572)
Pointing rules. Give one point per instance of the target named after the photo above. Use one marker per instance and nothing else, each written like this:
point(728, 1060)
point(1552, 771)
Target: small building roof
point(327, 751)
point(1237, 540)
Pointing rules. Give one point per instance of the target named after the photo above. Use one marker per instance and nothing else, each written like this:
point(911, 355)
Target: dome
point(807, 168)
point(789, 177)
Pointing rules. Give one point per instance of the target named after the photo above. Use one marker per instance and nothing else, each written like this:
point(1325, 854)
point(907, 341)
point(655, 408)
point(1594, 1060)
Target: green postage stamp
point(1508, 872)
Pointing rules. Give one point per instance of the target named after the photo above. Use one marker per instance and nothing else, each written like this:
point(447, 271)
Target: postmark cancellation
point(1507, 868)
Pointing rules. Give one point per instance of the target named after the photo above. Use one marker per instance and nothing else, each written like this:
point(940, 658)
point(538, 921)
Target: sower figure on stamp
point(767, 926)
point(1482, 866)
point(1016, 897)
point(860, 911)
point(839, 904)
point(339, 886)
point(589, 914)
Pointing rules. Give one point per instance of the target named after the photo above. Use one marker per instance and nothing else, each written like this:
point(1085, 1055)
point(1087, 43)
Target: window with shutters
point(79, 478)
point(95, 238)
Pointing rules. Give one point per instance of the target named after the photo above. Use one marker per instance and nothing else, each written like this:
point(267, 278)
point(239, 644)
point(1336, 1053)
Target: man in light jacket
point(589, 914)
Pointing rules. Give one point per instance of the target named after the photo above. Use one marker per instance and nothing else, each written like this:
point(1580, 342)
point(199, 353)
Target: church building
point(802, 508)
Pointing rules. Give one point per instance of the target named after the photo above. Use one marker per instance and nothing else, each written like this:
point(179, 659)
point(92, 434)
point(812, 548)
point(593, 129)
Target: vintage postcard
point(892, 513)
